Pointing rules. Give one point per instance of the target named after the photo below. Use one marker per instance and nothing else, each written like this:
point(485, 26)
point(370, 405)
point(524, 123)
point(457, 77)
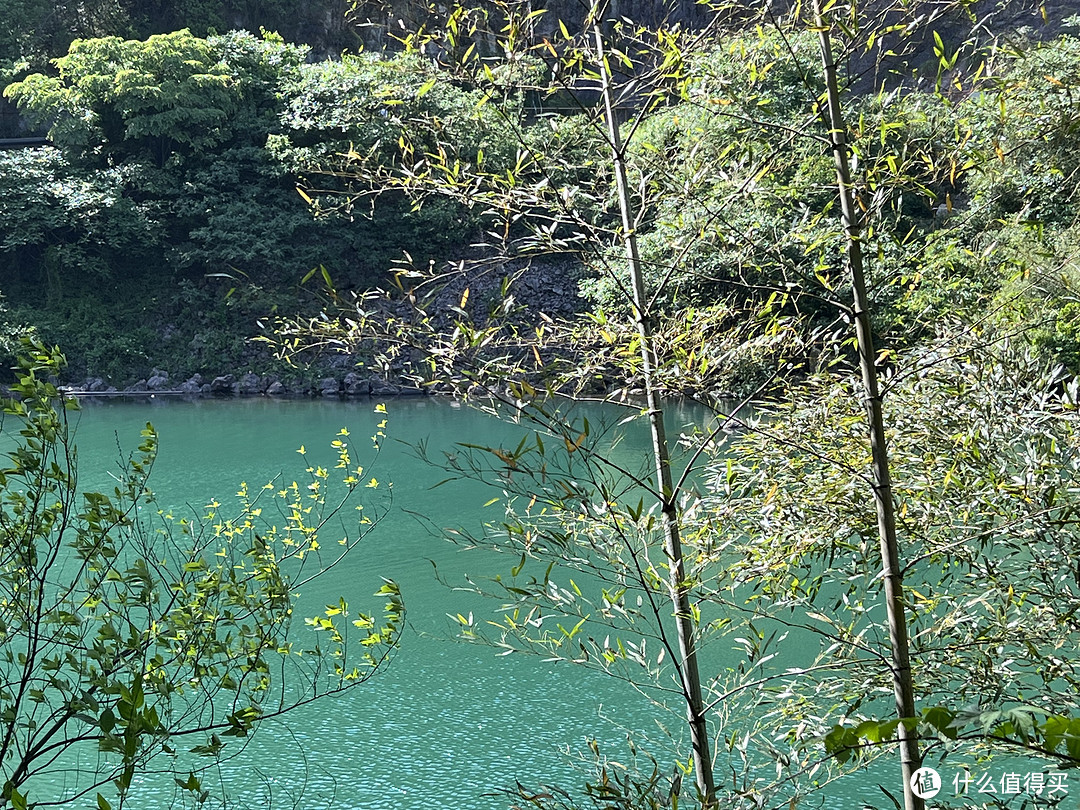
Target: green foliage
point(121, 330)
point(1025, 127)
point(1021, 727)
point(316, 22)
point(172, 94)
point(13, 331)
point(984, 469)
point(1040, 290)
point(164, 171)
point(365, 99)
point(1062, 339)
point(35, 30)
point(163, 142)
point(732, 172)
point(142, 634)
point(60, 223)
point(925, 280)
point(22, 35)
point(377, 119)
point(740, 206)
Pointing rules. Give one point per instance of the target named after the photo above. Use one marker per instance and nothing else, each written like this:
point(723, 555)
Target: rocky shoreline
point(546, 287)
point(353, 384)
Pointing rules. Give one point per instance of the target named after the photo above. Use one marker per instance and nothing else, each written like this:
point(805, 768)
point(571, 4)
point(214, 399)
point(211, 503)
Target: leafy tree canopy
point(173, 93)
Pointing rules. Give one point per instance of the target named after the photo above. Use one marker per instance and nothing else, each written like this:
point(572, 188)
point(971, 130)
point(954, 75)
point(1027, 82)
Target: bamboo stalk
point(687, 665)
point(903, 686)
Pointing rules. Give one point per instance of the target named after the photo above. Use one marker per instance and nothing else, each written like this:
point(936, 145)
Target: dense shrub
point(356, 128)
point(1027, 122)
point(60, 225)
point(164, 99)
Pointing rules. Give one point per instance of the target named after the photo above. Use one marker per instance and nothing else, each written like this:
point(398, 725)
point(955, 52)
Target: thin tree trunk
point(903, 687)
point(690, 678)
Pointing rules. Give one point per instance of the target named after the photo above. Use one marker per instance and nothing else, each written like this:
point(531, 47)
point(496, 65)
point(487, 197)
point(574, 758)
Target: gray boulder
point(276, 389)
point(382, 388)
point(223, 384)
point(355, 385)
point(329, 387)
point(250, 384)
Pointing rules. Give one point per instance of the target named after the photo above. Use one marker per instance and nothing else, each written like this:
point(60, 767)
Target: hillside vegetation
point(194, 182)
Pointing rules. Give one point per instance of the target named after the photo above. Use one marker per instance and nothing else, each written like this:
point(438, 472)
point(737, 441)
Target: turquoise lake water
point(445, 724)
